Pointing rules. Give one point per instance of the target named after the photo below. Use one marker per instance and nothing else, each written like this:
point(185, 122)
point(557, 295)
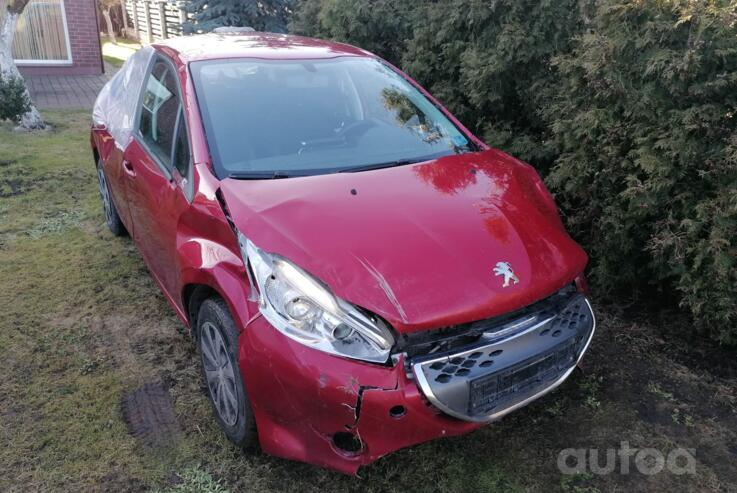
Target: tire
point(112, 219)
point(221, 373)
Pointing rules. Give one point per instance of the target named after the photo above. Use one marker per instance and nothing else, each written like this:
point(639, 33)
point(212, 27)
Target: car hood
point(417, 244)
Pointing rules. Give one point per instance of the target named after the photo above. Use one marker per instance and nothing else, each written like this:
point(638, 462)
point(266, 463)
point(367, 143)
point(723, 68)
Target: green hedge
point(645, 125)
point(627, 108)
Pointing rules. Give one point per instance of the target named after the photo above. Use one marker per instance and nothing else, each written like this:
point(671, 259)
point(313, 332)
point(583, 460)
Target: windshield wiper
point(260, 176)
point(388, 164)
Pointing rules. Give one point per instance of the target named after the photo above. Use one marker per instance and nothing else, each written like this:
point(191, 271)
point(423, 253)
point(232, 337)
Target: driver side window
point(159, 112)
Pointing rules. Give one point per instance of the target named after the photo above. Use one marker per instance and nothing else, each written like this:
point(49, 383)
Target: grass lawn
point(117, 53)
point(83, 326)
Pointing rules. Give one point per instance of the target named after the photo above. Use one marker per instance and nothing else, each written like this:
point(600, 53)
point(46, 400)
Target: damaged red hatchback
point(359, 271)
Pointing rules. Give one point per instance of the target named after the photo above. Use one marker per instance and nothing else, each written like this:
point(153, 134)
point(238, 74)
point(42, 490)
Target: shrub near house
point(13, 99)
point(629, 107)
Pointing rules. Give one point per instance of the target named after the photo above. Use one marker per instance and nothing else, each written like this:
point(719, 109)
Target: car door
point(111, 160)
point(157, 164)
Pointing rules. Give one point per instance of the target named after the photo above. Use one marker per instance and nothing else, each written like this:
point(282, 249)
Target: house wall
point(84, 39)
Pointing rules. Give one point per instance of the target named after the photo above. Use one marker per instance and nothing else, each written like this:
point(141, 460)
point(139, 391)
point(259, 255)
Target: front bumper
point(493, 377)
point(341, 414)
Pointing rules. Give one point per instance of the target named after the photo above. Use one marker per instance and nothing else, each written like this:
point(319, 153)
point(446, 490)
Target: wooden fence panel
point(155, 20)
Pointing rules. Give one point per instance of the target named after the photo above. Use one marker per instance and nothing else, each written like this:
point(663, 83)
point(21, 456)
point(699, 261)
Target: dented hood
point(417, 244)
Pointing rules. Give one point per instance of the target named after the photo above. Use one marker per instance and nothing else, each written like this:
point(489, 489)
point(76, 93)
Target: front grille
point(495, 374)
point(451, 338)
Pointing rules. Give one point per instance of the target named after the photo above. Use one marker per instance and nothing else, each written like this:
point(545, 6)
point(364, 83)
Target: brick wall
point(84, 38)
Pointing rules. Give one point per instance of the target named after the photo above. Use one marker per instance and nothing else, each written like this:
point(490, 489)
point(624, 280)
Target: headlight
point(302, 308)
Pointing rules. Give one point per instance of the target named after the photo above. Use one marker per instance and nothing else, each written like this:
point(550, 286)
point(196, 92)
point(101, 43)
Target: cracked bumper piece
point(306, 401)
point(343, 414)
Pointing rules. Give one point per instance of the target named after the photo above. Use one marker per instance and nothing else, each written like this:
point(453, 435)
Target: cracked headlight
point(304, 309)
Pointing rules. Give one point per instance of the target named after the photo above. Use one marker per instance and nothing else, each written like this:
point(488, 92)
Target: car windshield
point(280, 118)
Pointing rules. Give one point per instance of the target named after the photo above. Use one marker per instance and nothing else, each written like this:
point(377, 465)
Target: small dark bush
point(627, 107)
point(14, 102)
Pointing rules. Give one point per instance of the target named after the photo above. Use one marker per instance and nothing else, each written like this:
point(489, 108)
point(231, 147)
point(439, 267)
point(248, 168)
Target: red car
point(360, 272)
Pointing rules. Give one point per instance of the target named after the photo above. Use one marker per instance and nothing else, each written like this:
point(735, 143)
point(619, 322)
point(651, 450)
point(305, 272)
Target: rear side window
point(159, 112)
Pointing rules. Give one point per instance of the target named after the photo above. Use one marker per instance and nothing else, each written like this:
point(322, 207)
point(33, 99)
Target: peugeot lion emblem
point(504, 269)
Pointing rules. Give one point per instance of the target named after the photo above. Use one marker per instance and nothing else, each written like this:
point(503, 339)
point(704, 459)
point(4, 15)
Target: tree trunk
point(109, 22)
point(32, 118)
point(125, 19)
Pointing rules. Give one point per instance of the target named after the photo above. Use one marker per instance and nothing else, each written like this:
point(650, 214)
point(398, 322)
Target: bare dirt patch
point(14, 180)
point(11, 187)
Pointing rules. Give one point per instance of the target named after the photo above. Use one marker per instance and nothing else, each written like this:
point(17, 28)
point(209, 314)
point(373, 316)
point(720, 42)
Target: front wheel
point(112, 219)
point(217, 339)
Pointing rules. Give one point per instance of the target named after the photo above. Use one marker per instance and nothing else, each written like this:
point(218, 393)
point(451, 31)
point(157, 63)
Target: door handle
point(128, 166)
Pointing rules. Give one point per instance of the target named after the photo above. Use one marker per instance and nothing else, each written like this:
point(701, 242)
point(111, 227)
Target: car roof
point(269, 46)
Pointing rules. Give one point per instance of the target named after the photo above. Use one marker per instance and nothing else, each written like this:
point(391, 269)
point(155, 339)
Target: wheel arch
point(226, 280)
point(193, 295)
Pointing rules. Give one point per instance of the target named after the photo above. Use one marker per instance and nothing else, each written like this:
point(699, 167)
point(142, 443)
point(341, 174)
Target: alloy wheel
point(219, 373)
point(105, 194)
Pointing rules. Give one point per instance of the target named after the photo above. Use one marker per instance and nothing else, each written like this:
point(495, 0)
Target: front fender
point(208, 263)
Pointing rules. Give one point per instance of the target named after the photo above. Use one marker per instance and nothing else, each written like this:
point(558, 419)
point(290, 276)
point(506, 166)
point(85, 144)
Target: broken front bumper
point(338, 413)
point(501, 373)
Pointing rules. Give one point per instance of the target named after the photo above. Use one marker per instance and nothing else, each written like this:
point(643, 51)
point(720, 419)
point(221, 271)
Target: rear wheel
point(217, 339)
point(112, 219)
